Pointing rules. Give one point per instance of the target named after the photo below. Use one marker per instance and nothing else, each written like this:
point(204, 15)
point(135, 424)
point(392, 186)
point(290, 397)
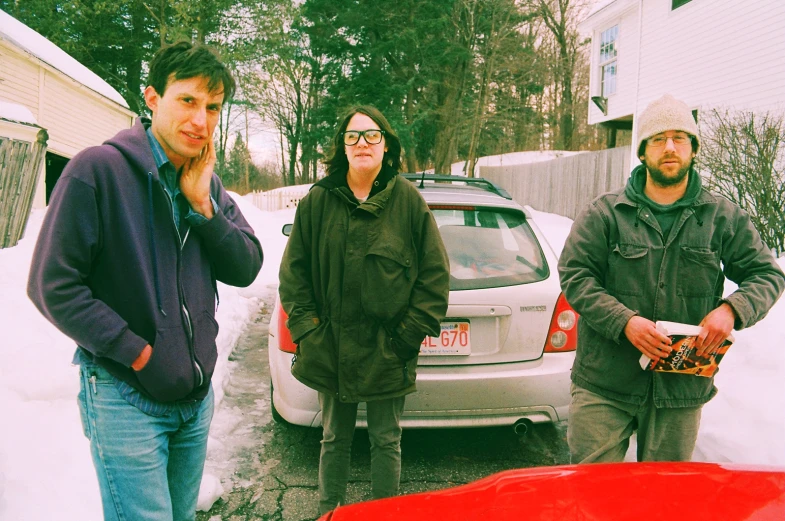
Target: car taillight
point(563, 333)
point(284, 336)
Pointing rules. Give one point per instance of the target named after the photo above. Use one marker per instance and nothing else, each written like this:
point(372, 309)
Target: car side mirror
point(287, 229)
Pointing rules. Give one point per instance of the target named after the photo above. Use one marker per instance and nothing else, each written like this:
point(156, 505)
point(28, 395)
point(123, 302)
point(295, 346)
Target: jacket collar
point(702, 197)
point(375, 204)
point(377, 199)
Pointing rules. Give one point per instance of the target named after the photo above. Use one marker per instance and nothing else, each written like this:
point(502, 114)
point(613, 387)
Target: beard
point(660, 178)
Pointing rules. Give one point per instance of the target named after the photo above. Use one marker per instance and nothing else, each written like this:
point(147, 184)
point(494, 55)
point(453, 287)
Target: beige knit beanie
point(665, 113)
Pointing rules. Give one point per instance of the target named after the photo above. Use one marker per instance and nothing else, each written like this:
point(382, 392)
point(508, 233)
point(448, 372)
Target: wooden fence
point(562, 186)
point(20, 165)
point(566, 185)
point(279, 198)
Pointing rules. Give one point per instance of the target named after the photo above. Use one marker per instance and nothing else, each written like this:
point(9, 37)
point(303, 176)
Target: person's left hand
point(717, 325)
point(195, 180)
point(402, 350)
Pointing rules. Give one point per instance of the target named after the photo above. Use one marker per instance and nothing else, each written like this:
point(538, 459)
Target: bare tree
point(283, 86)
point(451, 85)
point(501, 35)
point(743, 158)
point(282, 100)
point(561, 18)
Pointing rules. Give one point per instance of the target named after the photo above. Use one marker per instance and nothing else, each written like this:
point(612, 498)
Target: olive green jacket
point(353, 277)
point(616, 264)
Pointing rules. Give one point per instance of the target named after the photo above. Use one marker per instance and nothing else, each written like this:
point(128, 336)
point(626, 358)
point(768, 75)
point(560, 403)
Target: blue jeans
point(149, 467)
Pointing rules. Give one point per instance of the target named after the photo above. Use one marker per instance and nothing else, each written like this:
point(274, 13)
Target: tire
point(277, 418)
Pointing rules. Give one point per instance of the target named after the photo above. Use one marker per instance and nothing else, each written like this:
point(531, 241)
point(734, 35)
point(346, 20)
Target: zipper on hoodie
point(198, 372)
point(189, 323)
point(180, 240)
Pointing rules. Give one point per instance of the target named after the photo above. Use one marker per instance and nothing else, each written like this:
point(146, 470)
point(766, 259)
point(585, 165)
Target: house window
point(675, 4)
point(608, 60)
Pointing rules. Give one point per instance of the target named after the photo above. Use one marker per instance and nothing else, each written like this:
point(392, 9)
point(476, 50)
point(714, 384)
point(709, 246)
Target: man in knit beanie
point(657, 250)
point(663, 118)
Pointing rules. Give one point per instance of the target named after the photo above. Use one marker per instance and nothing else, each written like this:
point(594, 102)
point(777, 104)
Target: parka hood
point(637, 183)
point(135, 147)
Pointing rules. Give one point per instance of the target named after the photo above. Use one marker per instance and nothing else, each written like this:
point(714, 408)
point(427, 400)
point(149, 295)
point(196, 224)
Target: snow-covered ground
point(45, 467)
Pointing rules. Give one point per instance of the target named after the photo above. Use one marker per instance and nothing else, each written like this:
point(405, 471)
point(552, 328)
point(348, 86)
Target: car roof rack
point(482, 183)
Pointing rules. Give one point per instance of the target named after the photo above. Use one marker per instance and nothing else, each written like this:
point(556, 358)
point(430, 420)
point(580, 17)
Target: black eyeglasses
point(372, 136)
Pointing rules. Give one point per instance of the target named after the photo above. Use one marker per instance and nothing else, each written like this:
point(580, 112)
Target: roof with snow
point(20, 35)
point(598, 6)
point(17, 113)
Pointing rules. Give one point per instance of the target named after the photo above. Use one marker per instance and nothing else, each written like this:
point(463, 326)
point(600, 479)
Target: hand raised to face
point(195, 180)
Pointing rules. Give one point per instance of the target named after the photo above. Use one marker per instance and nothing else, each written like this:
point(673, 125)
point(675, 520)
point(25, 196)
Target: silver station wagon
point(508, 341)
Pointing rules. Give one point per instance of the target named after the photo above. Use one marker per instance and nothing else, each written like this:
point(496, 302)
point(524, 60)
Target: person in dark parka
point(364, 279)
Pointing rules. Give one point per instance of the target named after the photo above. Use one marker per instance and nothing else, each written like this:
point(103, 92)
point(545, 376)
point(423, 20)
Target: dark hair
point(337, 162)
point(185, 60)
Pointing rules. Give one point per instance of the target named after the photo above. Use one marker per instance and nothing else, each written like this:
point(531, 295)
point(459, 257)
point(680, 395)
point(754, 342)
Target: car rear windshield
point(489, 248)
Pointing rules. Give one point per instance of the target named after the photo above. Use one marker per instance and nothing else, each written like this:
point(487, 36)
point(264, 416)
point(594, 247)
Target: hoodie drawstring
point(152, 243)
point(694, 214)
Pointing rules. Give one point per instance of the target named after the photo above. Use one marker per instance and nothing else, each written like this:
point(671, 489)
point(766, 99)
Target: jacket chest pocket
point(628, 269)
point(389, 272)
point(699, 271)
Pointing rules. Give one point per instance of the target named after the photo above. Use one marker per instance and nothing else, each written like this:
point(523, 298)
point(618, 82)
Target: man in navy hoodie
point(137, 233)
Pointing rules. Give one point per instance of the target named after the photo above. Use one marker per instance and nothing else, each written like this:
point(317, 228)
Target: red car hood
point(607, 492)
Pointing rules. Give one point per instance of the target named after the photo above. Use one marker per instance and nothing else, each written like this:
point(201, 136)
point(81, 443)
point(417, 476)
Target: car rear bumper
point(489, 395)
point(452, 396)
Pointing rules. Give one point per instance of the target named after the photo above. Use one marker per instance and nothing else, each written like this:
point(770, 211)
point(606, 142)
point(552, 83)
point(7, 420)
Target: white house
point(75, 106)
point(708, 53)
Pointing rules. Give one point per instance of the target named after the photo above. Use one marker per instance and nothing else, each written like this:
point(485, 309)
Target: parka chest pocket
point(628, 269)
point(389, 272)
point(699, 271)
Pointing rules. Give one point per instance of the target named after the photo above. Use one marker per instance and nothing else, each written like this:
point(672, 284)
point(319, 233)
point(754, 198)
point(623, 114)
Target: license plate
point(455, 339)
